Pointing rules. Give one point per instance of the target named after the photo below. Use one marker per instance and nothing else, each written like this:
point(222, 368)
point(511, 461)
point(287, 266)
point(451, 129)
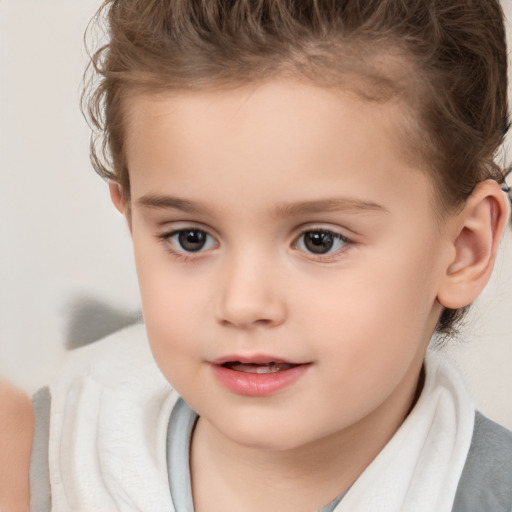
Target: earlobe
point(117, 196)
point(476, 234)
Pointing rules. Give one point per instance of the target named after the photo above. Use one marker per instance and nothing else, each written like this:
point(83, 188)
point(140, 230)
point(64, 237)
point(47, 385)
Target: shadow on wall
point(91, 319)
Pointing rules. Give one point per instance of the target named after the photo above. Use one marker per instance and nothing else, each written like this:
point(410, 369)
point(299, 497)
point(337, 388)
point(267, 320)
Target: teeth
point(259, 368)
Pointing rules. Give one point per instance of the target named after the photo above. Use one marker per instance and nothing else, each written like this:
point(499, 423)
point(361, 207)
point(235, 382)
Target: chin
point(267, 435)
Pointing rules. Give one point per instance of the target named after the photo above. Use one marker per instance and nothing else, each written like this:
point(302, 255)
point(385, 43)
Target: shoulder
point(103, 425)
point(16, 425)
point(486, 481)
point(120, 367)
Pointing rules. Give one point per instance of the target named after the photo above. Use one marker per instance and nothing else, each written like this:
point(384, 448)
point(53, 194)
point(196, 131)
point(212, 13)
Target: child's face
point(280, 223)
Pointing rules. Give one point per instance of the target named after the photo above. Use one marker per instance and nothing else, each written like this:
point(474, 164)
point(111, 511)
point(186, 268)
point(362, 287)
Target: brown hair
point(447, 60)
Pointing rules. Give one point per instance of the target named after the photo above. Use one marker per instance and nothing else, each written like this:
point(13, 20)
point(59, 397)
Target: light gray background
point(62, 243)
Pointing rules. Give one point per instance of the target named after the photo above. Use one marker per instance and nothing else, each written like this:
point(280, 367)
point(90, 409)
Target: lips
point(265, 368)
point(257, 376)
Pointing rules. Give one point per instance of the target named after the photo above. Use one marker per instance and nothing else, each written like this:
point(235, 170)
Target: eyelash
point(182, 253)
point(332, 237)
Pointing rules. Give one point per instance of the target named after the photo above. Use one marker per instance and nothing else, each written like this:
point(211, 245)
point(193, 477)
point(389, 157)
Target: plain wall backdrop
point(62, 243)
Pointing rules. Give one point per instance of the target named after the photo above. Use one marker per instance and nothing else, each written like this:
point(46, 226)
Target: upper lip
point(252, 359)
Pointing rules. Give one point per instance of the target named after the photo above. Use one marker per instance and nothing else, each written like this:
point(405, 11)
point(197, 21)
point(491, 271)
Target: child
point(312, 193)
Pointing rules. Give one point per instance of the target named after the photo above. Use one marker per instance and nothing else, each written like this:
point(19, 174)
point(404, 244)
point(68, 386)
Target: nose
point(250, 295)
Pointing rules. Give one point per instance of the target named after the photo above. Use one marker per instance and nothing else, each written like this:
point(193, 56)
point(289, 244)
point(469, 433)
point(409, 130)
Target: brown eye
point(188, 240)
point(318, 242)
point(321, 242)
point(192, 240)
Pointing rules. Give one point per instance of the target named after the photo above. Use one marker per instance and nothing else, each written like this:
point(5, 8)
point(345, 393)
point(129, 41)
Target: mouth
point(257, 376)
point(259, 368)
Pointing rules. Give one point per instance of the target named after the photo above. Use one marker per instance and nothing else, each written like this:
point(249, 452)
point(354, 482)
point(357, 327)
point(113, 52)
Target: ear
point(475, 233)
point(117, 196)
point(120, 202)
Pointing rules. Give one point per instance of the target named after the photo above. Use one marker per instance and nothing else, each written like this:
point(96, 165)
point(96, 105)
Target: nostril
point(246, 301)
point(263, 322)
point(250, 319)
point(238, 323)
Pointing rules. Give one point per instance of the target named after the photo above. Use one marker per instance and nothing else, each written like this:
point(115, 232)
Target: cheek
point(373, 320)
point(170, 308)
point(170, 324)
point(364, 352)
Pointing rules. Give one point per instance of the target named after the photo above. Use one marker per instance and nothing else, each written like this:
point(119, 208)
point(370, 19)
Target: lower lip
point(258, 384)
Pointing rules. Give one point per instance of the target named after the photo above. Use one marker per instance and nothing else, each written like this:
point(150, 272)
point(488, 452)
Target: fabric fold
point(420, 467)
point(110, 411)
point(110, 414)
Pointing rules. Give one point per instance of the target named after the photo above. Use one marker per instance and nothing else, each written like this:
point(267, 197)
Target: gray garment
point(486, 481)
point(485, 484)
point(179, 434)
point(40, 498)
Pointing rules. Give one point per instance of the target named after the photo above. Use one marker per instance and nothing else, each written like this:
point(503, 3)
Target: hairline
point(408, 129)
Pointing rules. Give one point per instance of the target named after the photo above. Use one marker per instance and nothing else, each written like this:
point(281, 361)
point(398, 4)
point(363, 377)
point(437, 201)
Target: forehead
point(281, 134)
point(303, 109)
point(265, 108)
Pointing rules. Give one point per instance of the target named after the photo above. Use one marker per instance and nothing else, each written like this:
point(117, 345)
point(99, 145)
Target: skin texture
point(255, 168)
point(16, 429)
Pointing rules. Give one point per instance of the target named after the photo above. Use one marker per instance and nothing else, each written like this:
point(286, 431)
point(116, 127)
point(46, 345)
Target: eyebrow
point(170, 202)
point(283, 210)
point(329, 205)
